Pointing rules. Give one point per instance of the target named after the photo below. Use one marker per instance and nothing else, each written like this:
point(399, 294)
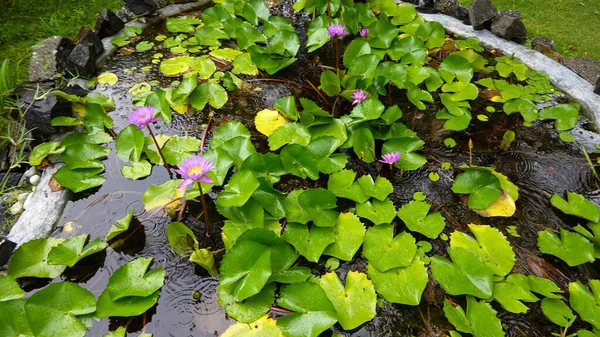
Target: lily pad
point(414, 214)
point(403, 285)
point(30, 260)
point(385, 252)
point(576, 205)
point(349, 232)
point(74, 249)
point(355, 303)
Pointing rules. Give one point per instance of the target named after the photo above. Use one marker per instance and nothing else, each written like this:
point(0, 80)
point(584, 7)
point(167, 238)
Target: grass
point(572, 24)
point(25, 22)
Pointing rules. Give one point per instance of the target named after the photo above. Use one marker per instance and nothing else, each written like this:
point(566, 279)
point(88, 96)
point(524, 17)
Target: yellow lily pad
point(266, 121)
point(504, 206)
point(264, 327)
point(107, 78)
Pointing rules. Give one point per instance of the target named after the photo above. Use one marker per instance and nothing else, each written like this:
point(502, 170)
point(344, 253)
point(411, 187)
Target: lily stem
point(159, 150)
point(337, 54)
point(206, 218)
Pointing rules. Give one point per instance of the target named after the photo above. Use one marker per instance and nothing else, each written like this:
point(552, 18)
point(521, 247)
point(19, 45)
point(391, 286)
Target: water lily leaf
point(267, 121)
point(462, 91)
point(29, 260)
point(355, 303)
point(478, 62)
point(205, 259)
point(125, 307)
point(317, 39)
point(392, 72)
point(467, 274)
point(299, 161)
point(585, 302)
point(343, 186)
point(506, 65)
point(406, 147)
point(378, 189)
point(576, 205)
point(504, 206)
point(417, 96)
point(162, 195)
point(480, 319)
point(433, 33)
point(385, 252)
point(215, 16)
point(210, 36)
point(489, 244)
point(130, 144)
point(120, 332)
point(43, 150)
point(121, 226)
point(264, 327)
point(330, 83)
point(13, 321)
point(80, 179)
point(144, 46)
point(175, 149)
point(483, 188)
point(107, 78)
point(275, 24)
point(454, 122)
point(310, 243)
point(379, 212)
point(245, 269)
point(120, 41)
point(364, 66)
point(403, 285)
point(210, 93)
point(10, 289)
point(269, 62)
point(510, 295)
point(137, 170)
point(72, 250)
point(456, 66)
point(314, 311)
point(355, 49)
point(557, 312)
point(267, 166)
point(254, 307)
point(573, 248)
point(133, 280)
point(285, 43)
point(181, 239)
point(525, 107)
point(363, 144)
point(414, 215)
point(382, 33)
point(182, 64)
point(565, 115)
point(349, 233)
point(318, 204)
point(158, 100)
point(53, 309)
point(408, 50)
point(182, 24)
point(84, 156)
point(238, 190)
point(243, 65)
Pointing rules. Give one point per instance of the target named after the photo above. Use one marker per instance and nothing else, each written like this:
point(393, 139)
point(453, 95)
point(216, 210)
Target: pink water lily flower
point(142, 117)
point(336, 30)
point(364, 32)
point(359, 96)
point(195, 168)
point(390, 158)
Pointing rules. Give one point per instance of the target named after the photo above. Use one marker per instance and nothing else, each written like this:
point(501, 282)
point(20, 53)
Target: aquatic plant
point(194, 169)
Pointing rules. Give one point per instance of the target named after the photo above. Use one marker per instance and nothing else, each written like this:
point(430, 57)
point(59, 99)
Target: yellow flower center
point(194, 170)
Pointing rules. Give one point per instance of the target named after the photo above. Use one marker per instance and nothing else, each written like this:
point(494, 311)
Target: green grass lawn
point(567, 22)
point(25, 22)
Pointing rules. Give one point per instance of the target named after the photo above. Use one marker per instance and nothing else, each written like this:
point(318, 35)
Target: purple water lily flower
point(359, 96)
point(337, 30)
point(193, 169)
point(390, 158)
point(142, 117)
point(364, 32)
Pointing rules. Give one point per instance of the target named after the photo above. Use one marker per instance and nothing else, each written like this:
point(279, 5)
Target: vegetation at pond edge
point(25, 22)
point(567, 22)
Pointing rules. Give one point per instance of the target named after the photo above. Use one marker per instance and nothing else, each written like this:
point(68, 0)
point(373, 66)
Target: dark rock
point(597, 88)
point(50, 58)
point(540, 42)
point(481, 14)
point(12, 178)
point(6, 249)
point(88, 37)
point(452, 8)
point(108, 23)
point(139, 7)
point(40, 112)
point(589, 69)
point(82, 60)
point(508, 25)
point(74, 89)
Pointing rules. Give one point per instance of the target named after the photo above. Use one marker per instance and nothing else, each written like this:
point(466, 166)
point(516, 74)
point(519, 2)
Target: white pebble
point(34, 180)
point(21, 197)
point(16, 208)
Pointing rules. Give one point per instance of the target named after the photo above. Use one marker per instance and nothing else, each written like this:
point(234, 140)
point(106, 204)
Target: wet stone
point(508, 25)
point(481, 14)
point(82, 60)
point(139, 7)
point(108, 23)
point(49, 58)
point(6, 249)
point(41, 112)
point(597, 88)
point(452, 8)
point(589, 69)
point(541, 42)
point(87, 37)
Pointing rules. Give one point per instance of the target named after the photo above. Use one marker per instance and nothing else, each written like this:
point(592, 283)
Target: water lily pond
point(349, 171)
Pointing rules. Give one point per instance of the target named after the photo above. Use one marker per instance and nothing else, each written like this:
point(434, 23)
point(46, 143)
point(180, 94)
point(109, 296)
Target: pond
point(438, 152)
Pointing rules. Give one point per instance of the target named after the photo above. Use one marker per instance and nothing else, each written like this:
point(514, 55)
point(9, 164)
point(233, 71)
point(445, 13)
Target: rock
point(597, 88)
point(6, 249)
point(452, 8)
point(82, 60)
point(43, 210)
point(41, 112)
point(49, 58)
point(481, 14)
point(139, 7)
point(539, 42)
point(589, 69)
point(16, 208)
point(27, 175)
point(34, 180)
point(12, 180)
point(508, 25)
point(22, 196)
point(88, 37)
point(108, 23)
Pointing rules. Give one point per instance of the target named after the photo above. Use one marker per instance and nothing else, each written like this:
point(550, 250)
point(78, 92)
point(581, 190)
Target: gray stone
point(541, 42)
point(508, 25)
point(597, 88)
point(42, 212)
point(578, 89)
point(12, 178)
point(452, 8)
point(82, 60)
point(587, 68)
point(50, 58)
point(139, 7)
point(481, 14)
point(87, 36)
point(39, 113)
point(108, 23)
point(27, 175)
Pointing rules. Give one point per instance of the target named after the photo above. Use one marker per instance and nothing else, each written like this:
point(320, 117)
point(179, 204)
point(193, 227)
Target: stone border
point(44, 207)
point(562, 77)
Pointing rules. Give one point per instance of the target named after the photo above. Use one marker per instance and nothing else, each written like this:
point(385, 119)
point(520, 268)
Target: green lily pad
point(309, 242)
point(121, 226)
point(9, 289)
point(406, 147)
point(558, 312)
point(30, 260)
point(480, 319)
point(137, 170)
point(133, 280)
point(245, 269)
point(349, 232)
point(43, 150)
point(456, 67)
point(573, 248)
point(576, 205)
point(205, 259)
point(254, 307)
point(238, 190)
point(208, 93)
point(565, 115)
point(379, 212)
point(403, 285)
point(385, 252)
point(483, 188)
point(73, 250)
point(130, 144)
point(290, 133)
point(585, 302)
point(13, 321)
point(414, 215)
point(181, 239)
point(342, 184)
